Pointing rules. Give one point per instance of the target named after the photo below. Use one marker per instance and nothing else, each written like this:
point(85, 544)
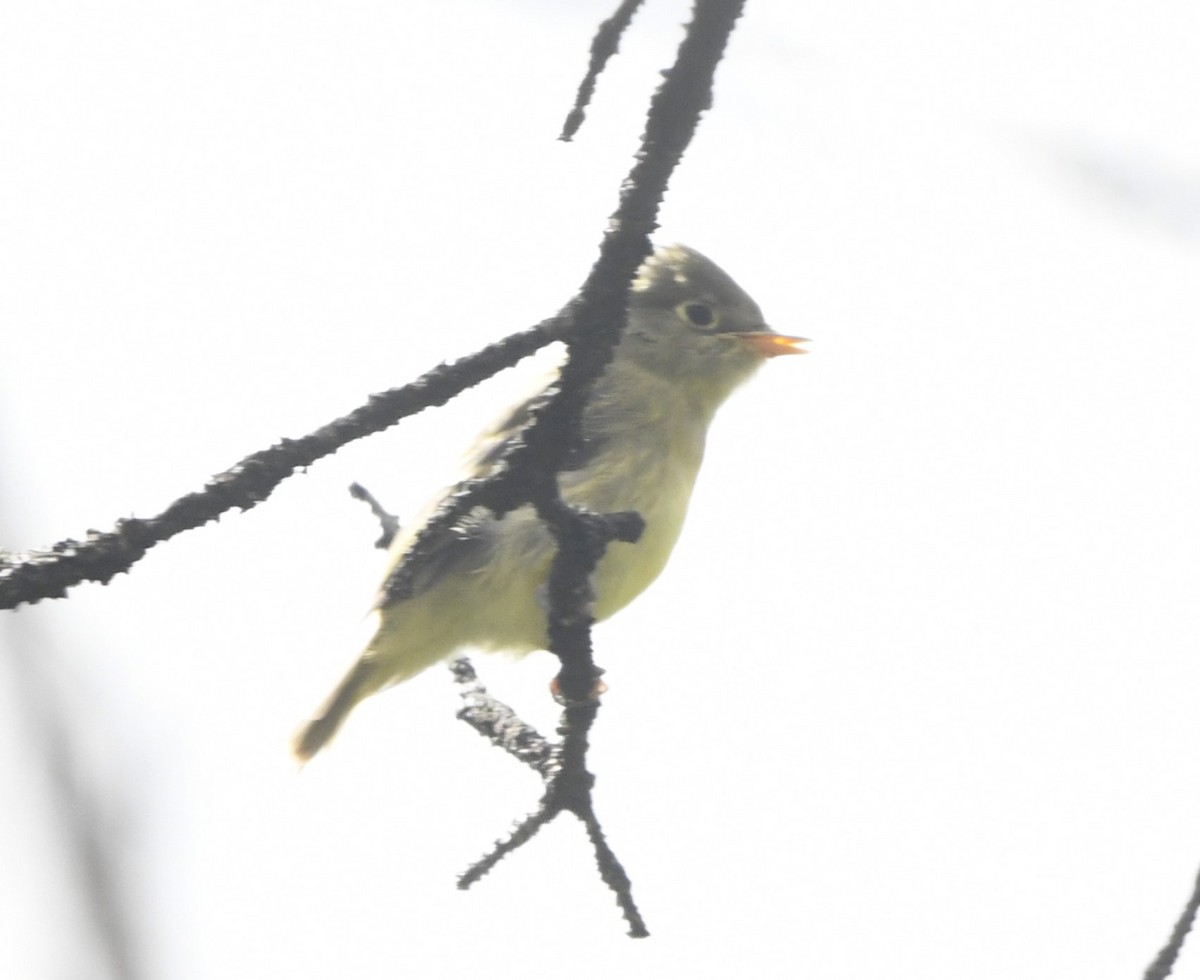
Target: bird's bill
point(767, 343)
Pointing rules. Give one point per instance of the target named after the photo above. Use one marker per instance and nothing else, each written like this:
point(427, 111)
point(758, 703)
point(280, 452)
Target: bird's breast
point(654, 477)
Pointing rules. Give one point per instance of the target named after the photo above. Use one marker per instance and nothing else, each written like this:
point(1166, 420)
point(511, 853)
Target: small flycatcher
point(693, 336)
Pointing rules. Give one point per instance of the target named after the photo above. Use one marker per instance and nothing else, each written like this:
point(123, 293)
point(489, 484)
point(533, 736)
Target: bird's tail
point(314, 734)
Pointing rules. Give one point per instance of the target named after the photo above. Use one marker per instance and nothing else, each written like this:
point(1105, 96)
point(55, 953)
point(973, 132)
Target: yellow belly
point(501, 605)
point(660, 494)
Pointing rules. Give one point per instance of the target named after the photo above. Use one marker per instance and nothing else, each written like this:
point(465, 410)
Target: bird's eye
point(698, 314)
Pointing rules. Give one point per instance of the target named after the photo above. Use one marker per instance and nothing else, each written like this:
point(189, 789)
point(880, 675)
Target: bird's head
point(691, 323)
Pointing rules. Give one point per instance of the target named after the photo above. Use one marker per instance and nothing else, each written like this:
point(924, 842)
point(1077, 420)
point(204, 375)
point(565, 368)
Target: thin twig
point(521, 834)
point(613, 875)
point(389, 524)
point(604, 46)
point(1164, 963)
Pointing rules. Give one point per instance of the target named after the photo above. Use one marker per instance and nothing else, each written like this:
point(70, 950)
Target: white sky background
point(917, 696)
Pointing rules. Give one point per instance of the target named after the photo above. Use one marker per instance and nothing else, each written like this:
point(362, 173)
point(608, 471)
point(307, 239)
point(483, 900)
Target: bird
point(692, 337)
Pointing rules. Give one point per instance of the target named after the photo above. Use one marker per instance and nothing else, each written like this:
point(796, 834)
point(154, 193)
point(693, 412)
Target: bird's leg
point(598, 689)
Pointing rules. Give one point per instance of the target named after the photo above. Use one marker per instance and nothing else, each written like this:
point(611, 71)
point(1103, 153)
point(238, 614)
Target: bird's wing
point(496, 441)
point(467, 546)
point(461, 548)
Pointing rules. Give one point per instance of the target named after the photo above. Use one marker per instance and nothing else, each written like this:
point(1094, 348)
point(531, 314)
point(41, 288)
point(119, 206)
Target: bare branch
point(47, 574)
point(593, 325)
point(568, 784)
